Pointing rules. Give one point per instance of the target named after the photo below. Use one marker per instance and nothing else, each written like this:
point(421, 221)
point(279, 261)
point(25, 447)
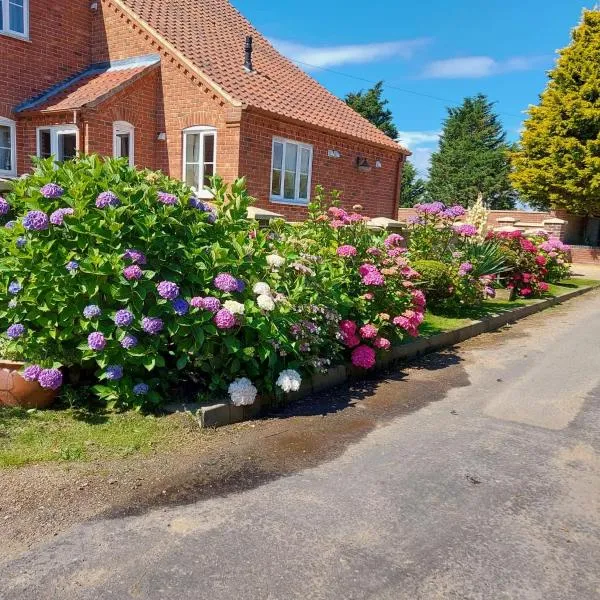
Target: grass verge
point(76, 435)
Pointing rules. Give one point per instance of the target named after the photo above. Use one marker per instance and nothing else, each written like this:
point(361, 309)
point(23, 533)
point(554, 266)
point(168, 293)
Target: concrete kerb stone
point(217, 415)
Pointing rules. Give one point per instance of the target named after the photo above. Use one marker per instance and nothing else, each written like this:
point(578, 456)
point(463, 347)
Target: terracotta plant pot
point(16, 392)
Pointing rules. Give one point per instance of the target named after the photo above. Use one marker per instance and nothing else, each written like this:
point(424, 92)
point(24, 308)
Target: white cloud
point(480, 66)
point(333, 56)
point(421, 159)
point(417, 138)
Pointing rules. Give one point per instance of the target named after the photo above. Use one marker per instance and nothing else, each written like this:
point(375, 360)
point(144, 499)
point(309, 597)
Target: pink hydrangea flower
point(382, 343)
point(366, 269)
point(224, 319)
point(393, 240)
point(350, 341)
point(368, 332)
point(541, 260)
point(346, 251)
point(374, 278)
point(348, 327)
point(544, 287)
point(364, 357)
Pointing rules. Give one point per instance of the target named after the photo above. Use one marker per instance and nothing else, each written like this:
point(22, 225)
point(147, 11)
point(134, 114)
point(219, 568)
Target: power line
point(393, 87)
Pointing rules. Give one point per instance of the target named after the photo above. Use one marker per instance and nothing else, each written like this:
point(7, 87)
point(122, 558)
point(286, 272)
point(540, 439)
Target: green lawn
point(76, 435)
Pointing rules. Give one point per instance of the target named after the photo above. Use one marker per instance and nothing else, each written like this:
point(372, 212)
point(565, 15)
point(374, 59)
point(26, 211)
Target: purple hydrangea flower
point(72, 266)
point(211, 304)
point(15, 331)
point(453, 212)
point(14, 288)
point(465, 230)
point(431, 208)
point(92, 311)
point(129, 342)
point(135, 256)
point(50, 379)
point(10, 225)
point(141, 389)
point(96, 341)
point(168, 290)
point(58, 216)
point(132, 273)
point(181, 307)
point(152, 325)
point(52, 190)
point(226, 282)
point(106, 199)
point(166, 198)
point(212, 217)
point(4, 207)
point(114, 372)
point(465, 269)
point(198, 204)
point(224, 319)
point(21, 242)
point(31, 373)
point(123, 318)
point(36, 220)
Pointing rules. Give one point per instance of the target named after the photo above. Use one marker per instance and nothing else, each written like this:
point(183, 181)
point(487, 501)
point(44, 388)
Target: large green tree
point(372, 106)
point(473, 158)
point(558, 160)
point(413, 187)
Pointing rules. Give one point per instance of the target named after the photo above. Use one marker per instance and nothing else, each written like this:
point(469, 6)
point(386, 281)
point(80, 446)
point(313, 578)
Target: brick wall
point(59, 46)
point(375, 190)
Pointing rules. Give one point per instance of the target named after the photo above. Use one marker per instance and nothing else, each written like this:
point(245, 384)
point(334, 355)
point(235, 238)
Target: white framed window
point(60, 141)
point(199, 158)
point(291, 171)
point(14, 18)
point(8, 147)
point(124, 141)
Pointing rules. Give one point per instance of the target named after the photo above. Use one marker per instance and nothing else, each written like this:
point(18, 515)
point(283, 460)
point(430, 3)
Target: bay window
point(59, 141)
point(199, 158)
point(14, 17)
point(291, 171)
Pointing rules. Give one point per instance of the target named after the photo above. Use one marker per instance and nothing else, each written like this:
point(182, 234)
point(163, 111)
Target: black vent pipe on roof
point(248, 61)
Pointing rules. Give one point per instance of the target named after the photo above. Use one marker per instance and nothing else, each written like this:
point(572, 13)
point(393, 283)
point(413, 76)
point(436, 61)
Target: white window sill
point(16, 36)
point(203, 195)
point(289, 202)
point(8, 175)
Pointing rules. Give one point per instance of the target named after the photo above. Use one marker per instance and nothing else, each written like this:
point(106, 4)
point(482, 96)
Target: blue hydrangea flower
point(21, 242)
point(141, 389)
point(72, 266)
point(15, 331)
point(198, 204)
point(129, 342)
point(180, 306)
point(92, 311)
point(114, 372)
point(10, 224)
point(14, 288)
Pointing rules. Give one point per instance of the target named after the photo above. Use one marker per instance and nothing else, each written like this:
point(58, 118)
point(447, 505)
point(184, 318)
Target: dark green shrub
point(435, 280)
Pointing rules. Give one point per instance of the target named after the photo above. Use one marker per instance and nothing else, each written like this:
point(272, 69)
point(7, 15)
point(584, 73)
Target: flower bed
point(125, 281)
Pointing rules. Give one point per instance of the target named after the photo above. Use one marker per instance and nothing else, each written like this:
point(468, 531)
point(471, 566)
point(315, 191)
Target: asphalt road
point(488, 490)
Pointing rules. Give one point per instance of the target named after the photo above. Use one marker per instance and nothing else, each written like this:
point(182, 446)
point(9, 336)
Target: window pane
point(291, 156)
point(303, 193)
point(304, 161)
point(16, 16)
point(4, 136)
point(192, 175)
point(192, 151)
point(209, 148)
point(123, 145)
point(1, 16)
point(67, 146)
point(45, 143)
point(277, 155)
point(209, 171)
point(276, 184)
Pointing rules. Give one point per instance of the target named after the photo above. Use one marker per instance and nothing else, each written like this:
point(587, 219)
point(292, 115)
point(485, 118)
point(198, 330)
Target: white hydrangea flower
point(242, 392)
point(265, 302)
point(289, 381)
point(262, 289)
point(235, 308)
point(275, 261)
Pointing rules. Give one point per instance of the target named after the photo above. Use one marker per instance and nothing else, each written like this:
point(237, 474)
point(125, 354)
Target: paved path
point(490, 491)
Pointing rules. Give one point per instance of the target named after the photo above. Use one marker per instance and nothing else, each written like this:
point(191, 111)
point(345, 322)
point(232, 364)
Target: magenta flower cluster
point(210, 303)
point(347, 251)
point(466, 230)
point(364, 357)
point(371, 275)
point(132, 273)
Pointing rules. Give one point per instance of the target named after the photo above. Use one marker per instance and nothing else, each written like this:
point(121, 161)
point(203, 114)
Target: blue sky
point(441, 50)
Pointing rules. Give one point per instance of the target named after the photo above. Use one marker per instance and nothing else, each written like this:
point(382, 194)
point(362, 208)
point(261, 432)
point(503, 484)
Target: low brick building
point(188, 87)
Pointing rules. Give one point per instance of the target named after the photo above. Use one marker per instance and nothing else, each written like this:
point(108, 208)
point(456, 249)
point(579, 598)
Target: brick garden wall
point(375, 190)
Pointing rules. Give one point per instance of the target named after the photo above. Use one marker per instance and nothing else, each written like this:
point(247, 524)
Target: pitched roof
point(90, 87)
point(211, 35)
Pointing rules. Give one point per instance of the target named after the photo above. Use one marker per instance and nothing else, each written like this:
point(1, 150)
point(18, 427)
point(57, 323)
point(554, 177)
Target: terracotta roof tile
point(211, 34)
point(88, 88)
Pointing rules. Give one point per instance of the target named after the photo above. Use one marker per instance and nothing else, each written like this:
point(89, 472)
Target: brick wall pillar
point(556, 228)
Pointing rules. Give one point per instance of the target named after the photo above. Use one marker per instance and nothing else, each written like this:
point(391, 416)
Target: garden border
point(218, 415)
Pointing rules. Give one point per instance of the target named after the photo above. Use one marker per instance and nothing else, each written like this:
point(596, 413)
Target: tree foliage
point(558, 162)
point(473, 158)
point(413, 187)
point(372, 106)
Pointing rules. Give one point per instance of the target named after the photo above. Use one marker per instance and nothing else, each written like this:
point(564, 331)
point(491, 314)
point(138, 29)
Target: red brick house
point(172, 85)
